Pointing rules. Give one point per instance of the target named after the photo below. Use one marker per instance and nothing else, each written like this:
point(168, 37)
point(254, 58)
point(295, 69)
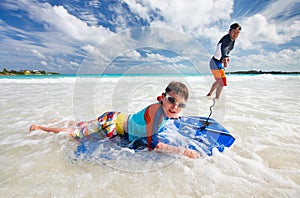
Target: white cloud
point(44, 63)
point(58, 18)
point(87, 48)
point(279, 8)
point(162, 58)
point(272, 25)
point(37, 53)
point(196, 18)
point(191, 15)
point(64, 35)
point(74, 63)
point(133, 54)
point(138, 8)
point(285, 60)
point(258, 29)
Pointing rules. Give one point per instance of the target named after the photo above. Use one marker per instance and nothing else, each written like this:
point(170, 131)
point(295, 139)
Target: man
point(220, 59)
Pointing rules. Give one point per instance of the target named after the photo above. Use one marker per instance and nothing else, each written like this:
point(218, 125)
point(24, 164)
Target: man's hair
point(235, 26)
point(179, 89)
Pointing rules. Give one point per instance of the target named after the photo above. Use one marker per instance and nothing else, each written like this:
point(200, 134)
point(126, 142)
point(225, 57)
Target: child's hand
point(191, 153)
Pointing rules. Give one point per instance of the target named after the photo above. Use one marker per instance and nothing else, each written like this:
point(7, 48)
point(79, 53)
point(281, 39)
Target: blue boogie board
point(203, 134)
point(198, 133)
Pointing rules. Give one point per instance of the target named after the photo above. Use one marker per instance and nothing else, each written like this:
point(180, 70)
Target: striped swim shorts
point(108, 124)
point(218, 71)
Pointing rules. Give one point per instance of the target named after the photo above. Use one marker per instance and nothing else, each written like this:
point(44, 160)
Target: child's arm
point(187, 152)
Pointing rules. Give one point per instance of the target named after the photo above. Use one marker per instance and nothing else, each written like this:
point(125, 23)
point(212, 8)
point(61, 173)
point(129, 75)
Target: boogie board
point(205, 133)
point(198, 133)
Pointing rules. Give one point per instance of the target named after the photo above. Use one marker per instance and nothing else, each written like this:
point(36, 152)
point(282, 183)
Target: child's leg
point(103, 126)
point(72, 123)
point(85, 123)
point(48, 129)
point(86, 128)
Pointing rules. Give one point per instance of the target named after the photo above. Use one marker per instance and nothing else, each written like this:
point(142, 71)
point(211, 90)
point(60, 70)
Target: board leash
point(210, 109)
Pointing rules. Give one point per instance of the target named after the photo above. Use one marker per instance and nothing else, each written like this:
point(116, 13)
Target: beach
point(260, 111)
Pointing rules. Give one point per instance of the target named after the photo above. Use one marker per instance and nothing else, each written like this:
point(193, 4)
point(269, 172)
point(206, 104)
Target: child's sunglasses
point(173, 101)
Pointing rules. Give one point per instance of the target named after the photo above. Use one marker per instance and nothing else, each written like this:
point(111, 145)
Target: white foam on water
point(262, 113)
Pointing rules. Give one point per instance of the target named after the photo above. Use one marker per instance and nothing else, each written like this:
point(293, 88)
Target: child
point(144, 124)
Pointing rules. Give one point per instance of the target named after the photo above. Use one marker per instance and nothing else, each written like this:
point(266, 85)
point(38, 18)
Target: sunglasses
point(173, 101)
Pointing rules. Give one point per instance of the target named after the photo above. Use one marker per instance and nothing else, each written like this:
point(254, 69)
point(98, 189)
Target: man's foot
point(209, 96)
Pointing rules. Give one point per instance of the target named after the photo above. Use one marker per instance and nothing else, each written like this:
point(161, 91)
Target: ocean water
point(261, 112)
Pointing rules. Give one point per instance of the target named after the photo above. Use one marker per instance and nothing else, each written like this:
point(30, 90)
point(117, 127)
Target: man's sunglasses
point(173, 101)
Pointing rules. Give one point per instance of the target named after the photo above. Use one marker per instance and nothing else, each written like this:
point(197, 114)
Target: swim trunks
point(108, 124)
point(218, 71)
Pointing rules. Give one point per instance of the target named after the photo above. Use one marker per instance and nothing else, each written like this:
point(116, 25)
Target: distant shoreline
point(44, 73)
point(6, 72)
point(261, 72)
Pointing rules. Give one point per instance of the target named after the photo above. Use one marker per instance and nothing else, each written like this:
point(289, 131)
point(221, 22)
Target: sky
point(143, 36)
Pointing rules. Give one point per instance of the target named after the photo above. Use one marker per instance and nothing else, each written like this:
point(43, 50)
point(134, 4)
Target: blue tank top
point(140, 121)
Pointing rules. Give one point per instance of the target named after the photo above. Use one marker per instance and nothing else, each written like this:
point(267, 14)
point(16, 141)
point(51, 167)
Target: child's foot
point(33, 127)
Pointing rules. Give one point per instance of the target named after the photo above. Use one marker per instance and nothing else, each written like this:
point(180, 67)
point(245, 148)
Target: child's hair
point(179, 89)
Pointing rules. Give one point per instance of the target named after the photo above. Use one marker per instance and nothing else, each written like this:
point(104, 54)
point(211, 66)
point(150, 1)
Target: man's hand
point(225, 61)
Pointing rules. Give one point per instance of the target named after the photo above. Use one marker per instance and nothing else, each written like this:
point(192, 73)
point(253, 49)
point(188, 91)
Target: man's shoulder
point(225, 38)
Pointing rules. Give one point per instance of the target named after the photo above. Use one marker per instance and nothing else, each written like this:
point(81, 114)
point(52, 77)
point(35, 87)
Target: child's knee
point(107, 123)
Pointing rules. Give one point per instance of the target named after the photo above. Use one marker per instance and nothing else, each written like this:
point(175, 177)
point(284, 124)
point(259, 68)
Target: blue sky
point(139, 36)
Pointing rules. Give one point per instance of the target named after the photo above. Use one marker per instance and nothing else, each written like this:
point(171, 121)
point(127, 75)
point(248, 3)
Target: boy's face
point(172, 104)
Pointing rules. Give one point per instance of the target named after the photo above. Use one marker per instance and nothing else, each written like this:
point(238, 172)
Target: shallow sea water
point(262, 113)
